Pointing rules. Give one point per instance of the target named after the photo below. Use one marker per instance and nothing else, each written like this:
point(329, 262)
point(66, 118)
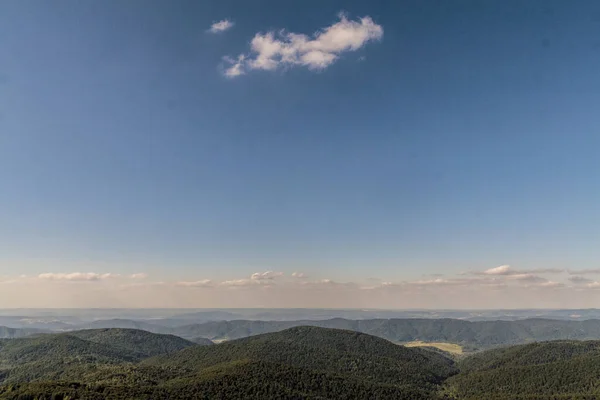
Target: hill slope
point(56, 356)
point(143, 343)
point(570, 369)
point(325, 350)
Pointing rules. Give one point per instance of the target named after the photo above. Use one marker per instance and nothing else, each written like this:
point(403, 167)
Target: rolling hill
point(54, 356)
point(330, 350)
point(548, 370)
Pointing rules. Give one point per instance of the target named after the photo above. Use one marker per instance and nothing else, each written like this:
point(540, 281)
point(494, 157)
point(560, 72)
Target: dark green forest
point(297, 363)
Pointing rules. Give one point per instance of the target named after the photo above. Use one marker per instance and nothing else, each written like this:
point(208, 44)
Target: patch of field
point(449, 347)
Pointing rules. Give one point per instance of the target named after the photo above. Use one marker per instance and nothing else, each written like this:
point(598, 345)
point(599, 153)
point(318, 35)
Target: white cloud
point(270, 51)
point(237, 66)
point(257, 276)
point(77, 276)
point(501, 270)
point(221, 26)
point(506, 270)
point(201, 283)
point(299, 275)
point(139, 276)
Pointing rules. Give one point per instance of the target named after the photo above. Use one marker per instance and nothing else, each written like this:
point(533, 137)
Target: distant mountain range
point(472, 335)
point(71, 319)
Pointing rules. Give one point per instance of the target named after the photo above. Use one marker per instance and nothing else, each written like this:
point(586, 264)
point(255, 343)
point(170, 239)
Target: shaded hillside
point(55, 356)
point(479, 334)
point(143, 343)
point(546, 370)
point(51, 356)
point(12, 333)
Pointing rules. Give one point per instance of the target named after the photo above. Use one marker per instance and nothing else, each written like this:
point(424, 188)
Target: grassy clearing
point(449, 347)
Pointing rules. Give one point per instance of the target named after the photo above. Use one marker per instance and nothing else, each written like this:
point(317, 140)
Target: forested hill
point(550, 370)
point(478, 334)
point(328, 350)
point(55, 356)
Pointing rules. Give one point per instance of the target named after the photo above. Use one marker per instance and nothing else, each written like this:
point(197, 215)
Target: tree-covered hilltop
point(144, 343)
point(54, 356)
point(547, 370)
point(332, 350)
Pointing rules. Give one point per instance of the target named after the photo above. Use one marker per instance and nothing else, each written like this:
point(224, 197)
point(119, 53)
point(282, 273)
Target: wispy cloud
point(246, 283)
point(200, 283)
point(580, 280)
point(506, 270)
point(140, 275)
point(221, 26)
point(299, 275)
point(550, 284)
point(77, 276)
point(501, 270)
point(257, 276)
point(584, 271)
point(270, 51)
point(531, 278)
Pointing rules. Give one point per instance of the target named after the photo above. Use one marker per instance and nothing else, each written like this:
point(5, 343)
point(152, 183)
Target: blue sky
point(463, 137)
